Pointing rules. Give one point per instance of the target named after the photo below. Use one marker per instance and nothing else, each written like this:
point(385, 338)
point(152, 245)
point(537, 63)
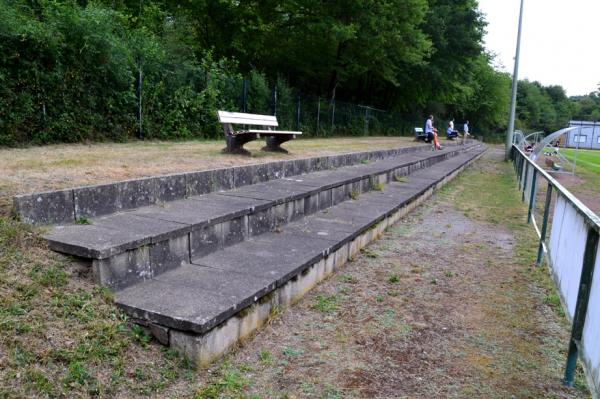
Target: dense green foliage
point(74, 71)
point(547, 108)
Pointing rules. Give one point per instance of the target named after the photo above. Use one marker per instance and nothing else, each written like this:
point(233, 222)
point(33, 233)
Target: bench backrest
point(419, 131)
point(239, 118)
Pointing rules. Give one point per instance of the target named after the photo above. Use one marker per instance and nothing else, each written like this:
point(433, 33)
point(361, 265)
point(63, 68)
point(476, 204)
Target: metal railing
point(568, 240)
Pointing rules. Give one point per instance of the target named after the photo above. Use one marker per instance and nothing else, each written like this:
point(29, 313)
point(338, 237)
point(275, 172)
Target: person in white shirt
point(429, 130)
point(466, 131)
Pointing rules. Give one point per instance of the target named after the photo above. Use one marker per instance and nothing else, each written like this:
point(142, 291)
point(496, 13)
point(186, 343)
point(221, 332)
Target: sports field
point(586, 182)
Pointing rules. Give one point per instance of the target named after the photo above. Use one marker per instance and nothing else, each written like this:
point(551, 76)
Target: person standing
point(466, 131)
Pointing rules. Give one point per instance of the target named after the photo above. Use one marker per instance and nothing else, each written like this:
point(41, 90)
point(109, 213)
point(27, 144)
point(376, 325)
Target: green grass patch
point(378, 186)
point(588, 167)
point(326, 304)
point(83, 220)
point(229, 383)
point(63, 336)
point(344, 278)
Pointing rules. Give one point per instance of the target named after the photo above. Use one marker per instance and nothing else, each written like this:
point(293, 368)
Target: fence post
point(318, 114)
point(532, 195)
point(298, 113)
point(332, 115)
point(275, 100)
point(245, 96)
point(583, 297)
point(525, 181)
point(544, 225)
point(520, 170)
point(139, 98)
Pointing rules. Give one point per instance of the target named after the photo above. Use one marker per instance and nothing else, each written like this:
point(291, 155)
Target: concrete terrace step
point(207, 304)
point(128, 247)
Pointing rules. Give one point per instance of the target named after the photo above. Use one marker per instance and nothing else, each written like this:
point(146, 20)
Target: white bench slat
point(273, 131)
point(247, 119)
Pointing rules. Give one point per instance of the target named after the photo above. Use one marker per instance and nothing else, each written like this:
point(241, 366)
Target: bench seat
point(237, 138)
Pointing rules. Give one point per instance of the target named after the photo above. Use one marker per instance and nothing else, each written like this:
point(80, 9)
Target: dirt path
point(446, 304)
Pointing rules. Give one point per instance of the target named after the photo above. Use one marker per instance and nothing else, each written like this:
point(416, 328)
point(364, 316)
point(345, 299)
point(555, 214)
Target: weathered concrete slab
point(169, 254)
point(96, 200)
point(237, 205)
point(192, 213)
point(328, 229)
point(193, 298)
point(96, 242)
point(170, 188)
point(330, 178)
point(124, 269)
point(45, 208)
point(206, 240)
point(274, 192)
point(235, 230)
point(252, 174)
point(155, 229)
point(297, 167)
point(200, 211)
point(136, 193)
point(257, 257)
point(207, 181)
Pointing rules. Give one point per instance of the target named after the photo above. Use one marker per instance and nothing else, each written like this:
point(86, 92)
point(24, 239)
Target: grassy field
point(35, 169)
point(588, 161)
point(586, 182)
point(468, 317)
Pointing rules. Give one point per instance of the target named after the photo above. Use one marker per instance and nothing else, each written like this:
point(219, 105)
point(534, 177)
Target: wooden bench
point(420, 134)
point(553, 165)
point(237, 138)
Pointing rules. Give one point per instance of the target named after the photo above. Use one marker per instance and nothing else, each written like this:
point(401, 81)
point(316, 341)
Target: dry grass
point(36, 169)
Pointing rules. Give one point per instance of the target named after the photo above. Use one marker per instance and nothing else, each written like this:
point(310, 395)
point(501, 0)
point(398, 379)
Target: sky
point(559, 41)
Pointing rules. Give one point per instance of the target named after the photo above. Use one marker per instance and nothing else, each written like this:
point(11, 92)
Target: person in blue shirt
point(450, 132)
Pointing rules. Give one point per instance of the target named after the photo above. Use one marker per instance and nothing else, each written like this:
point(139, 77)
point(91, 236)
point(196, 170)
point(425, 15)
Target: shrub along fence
point(568, 235)
point(73, 74)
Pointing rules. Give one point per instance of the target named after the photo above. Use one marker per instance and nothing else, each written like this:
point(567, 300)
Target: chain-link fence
point(313, 115)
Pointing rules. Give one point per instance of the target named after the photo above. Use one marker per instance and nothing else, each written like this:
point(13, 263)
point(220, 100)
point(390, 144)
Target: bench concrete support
point(235, 144)
point(274, 143)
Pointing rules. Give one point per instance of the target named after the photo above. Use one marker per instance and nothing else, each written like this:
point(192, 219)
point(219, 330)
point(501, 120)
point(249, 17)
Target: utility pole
point(515, 82)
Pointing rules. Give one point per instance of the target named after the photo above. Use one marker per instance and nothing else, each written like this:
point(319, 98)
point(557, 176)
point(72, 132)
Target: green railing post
point(519, 170)
point(532, 195)
point(544, 224)
point(583, 297)
point(525, 181)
